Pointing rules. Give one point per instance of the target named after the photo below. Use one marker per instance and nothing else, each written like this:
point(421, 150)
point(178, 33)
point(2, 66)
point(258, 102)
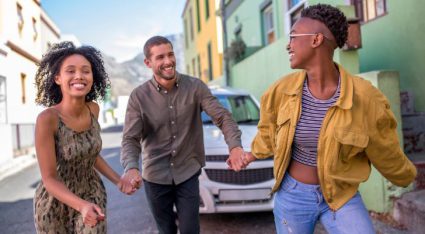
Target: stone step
point(420, 178)
point(409, 210)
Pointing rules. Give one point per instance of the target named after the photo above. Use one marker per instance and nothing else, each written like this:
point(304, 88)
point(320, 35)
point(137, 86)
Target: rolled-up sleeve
point(132, 134)
point(221, 117)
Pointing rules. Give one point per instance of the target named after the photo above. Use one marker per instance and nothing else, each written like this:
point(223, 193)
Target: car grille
point(217, 158)
point(223, 158)
point(249, 176)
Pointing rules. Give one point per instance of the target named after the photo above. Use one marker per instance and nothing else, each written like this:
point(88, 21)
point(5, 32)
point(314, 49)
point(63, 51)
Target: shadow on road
point(9, 222)
point(234, 223)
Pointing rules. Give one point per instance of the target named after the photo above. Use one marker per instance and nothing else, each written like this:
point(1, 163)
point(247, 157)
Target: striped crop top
point(313, 110)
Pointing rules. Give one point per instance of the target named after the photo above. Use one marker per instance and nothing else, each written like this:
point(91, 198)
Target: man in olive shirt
point(164, 119)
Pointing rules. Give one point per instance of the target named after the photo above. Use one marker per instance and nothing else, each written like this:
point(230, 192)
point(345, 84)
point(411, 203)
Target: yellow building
point(26, 32)
point(203, 39)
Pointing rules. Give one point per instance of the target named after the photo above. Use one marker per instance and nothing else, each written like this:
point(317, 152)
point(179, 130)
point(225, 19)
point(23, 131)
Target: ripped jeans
point(298, 206)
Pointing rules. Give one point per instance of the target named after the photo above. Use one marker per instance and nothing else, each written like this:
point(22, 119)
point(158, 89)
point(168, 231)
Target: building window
point(34, 28)
point(186, 35)
point(3, 109)
point(193, 67)
point(367, 10)
point(293, 13)
point(268, 26)
point(20, 18)
point(23, 87)
point(207, 10)
point(187, 68)
point(191, 24)
point(210, 65)
point(199, 66)
point(198, 16)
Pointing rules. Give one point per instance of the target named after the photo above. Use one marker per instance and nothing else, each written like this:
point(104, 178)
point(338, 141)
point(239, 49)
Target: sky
point(118, 28)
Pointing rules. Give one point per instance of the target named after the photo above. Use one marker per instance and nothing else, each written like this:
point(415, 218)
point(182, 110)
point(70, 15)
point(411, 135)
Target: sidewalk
point(14, 165)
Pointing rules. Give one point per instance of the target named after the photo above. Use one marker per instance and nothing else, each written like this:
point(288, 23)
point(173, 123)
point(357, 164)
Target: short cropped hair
point(332, 17)
point(154, 41)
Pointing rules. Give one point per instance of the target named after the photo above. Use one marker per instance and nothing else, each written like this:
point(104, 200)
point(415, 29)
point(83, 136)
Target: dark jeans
point(184, 196)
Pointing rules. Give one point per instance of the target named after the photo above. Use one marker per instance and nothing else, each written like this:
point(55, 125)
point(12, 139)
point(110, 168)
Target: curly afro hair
point(332, 17)
point(49, 93)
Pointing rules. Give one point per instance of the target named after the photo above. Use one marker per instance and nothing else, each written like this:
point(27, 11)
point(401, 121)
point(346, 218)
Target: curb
point(15, 165)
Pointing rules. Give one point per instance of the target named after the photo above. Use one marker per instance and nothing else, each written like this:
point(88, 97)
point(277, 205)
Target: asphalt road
point(125, 214)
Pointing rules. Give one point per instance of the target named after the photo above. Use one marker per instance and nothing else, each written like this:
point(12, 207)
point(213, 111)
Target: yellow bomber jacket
point(358, 130)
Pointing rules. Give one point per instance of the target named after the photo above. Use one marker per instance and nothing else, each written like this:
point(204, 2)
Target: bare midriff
point(303, 173)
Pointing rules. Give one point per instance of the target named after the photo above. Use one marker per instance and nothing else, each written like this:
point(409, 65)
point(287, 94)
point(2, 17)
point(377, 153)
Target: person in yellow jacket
point(325, 127)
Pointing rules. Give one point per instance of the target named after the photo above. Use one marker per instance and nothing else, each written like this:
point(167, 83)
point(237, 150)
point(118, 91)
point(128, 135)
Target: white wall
point(121, 108)
point(6, 152)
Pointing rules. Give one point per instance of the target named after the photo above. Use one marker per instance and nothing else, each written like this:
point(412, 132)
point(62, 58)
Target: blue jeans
point(298, 206)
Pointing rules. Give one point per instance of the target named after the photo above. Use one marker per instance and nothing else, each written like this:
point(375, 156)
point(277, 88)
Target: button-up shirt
point(167, 125)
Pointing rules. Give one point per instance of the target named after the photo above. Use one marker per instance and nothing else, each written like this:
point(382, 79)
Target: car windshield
point(244, 110)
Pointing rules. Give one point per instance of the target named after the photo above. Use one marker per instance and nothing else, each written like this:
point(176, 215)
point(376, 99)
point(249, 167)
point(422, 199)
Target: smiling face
point(300, 45)
point(310, 41)
point(162, 62)
point(75, 77)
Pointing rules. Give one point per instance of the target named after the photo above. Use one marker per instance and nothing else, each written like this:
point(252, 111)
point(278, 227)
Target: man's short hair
point(154, 41)
point(332, 17)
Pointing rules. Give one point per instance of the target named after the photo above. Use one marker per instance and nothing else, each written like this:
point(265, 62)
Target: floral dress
point(76, 154)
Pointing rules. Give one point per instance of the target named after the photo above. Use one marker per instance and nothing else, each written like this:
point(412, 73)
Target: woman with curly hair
point(71, 197)
point(324, 128)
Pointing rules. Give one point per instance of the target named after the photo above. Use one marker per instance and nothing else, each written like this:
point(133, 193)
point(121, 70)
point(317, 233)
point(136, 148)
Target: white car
point(222, 190)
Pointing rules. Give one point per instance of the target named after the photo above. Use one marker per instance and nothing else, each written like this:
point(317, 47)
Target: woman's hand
point(248, 158)
point(91, 214)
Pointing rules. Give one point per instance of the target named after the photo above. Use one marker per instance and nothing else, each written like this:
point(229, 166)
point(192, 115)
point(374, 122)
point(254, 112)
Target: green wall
point(247, 15)
point(395, 41)
point(261, 69)
point(330, 2)
point(257, 72)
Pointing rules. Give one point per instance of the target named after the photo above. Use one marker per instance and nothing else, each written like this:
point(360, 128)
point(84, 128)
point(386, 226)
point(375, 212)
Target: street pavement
point(125, 214)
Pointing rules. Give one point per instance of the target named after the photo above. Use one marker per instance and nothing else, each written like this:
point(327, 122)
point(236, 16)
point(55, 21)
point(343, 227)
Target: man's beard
point(167, 77)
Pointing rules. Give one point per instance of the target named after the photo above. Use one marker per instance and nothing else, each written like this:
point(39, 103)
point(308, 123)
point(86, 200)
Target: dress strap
point(91, 113)
point(60, 122)
point(92, 117)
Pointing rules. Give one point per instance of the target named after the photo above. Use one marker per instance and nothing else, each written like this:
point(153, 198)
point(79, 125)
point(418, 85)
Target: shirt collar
point(345, 100)
point(158, 87)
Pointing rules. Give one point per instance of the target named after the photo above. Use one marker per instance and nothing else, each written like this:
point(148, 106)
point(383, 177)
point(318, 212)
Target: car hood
point(214, 139)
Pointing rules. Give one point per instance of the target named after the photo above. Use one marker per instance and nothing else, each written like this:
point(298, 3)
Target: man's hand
point(130, 181)
point(236, 159)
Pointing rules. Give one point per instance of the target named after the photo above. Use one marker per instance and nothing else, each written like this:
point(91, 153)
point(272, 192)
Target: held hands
point(238, 159)
point(92, 214)
point(130, 181)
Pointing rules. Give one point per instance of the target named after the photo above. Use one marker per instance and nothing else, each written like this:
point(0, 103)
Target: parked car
point(222, 190)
